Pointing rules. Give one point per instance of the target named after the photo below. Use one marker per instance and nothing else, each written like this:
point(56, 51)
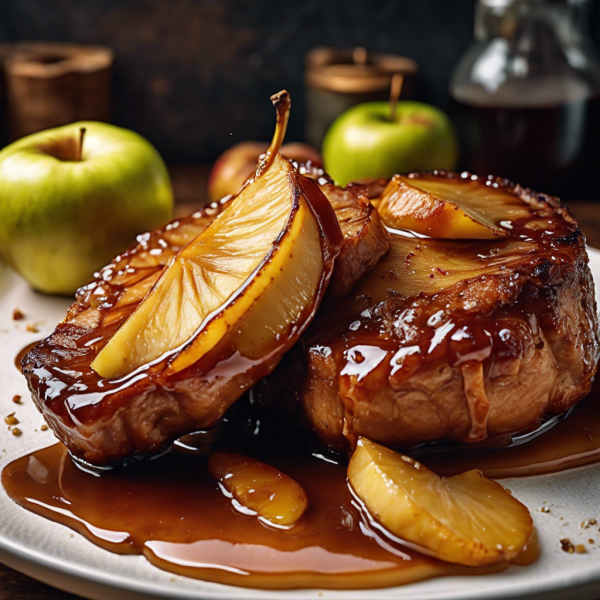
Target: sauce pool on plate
point(174, 513)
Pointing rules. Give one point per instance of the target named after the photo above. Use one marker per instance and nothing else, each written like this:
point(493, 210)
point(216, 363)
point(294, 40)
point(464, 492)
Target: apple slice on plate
point(466, 519)
point(454, 209)
point(259, 488)
point(249, 279)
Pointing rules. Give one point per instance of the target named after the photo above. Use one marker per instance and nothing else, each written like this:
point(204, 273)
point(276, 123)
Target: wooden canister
point(52, 84)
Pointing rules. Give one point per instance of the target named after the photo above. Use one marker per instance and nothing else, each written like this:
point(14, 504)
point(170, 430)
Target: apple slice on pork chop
point(129, 371)
point(456, 339)
point(62, 361)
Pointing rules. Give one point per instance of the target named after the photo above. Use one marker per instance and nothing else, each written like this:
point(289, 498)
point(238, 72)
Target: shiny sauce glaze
point(22, 353)
point(59, 368)
point(170, 510)
point(560, 443)
point(434, 307)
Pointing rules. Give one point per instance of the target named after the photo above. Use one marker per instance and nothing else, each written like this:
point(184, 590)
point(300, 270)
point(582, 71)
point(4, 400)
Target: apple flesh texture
point(237, 164)
point(363, 143)
point(62, 219)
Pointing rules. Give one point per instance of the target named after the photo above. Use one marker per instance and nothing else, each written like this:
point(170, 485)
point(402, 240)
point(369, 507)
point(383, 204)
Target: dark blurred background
point(194, 76)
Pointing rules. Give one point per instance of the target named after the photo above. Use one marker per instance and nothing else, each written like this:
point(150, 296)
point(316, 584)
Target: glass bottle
point(526, 96)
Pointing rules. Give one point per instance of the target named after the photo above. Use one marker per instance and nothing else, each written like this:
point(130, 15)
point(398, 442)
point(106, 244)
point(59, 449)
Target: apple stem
point(395, 90)
point(80, 146)
point(282, 103)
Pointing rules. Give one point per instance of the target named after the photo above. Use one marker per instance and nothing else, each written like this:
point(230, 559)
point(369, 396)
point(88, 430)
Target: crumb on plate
point(11, 419)
point(567, 546)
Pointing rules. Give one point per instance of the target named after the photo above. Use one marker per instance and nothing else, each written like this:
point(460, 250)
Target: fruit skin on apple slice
point(441, 212)
point(237, 164)
point(250, 274)
point(259, 488)
point(466, 519)
point(265, 250)
point(112, 418)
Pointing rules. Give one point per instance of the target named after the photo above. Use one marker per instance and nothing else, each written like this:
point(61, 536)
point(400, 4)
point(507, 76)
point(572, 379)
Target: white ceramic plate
point(54, 554)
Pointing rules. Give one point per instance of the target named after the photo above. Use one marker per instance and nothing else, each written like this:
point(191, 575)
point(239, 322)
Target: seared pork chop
point(457, 340)
point(104, 420)
point(365, 237)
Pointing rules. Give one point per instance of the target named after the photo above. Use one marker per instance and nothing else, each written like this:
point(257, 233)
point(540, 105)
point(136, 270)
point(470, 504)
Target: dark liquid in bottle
point(552, 148)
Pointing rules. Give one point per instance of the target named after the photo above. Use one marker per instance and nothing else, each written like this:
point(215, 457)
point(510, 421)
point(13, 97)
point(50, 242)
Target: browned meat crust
point(365, 237)
point(457, 340)
point(103, 421)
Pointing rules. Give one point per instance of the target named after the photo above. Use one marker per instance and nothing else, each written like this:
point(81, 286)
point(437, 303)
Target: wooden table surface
point(190, 184)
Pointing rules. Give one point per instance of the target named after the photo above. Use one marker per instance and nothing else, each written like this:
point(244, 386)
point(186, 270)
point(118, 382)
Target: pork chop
point(456, 340)
point(106, 420)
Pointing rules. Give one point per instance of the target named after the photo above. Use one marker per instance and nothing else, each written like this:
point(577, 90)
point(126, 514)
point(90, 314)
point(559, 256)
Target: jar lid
point(54, 59)
point(354, 71)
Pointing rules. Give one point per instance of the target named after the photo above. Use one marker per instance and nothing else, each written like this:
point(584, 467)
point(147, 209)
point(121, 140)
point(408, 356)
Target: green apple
point(73, 197)
point(364, 142)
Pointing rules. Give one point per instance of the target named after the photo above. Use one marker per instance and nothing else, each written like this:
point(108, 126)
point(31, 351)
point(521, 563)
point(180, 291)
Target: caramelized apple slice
point(247, 276)
point(466, 519)
point(449, 209)
point(415, 265)
point(259, 488)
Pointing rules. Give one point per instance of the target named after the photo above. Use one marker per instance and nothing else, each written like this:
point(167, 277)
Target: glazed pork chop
point(365, 236)
point(103, 420)
point(457, 340)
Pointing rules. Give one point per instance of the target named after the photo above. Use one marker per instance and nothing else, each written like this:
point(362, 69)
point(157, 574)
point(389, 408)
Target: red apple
point(233, 168)
point(302, 153)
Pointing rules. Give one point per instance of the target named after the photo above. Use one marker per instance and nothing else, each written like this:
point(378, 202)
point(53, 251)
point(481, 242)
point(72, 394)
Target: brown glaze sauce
point(170, 510)
point(562, 443)
point(23, 352)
